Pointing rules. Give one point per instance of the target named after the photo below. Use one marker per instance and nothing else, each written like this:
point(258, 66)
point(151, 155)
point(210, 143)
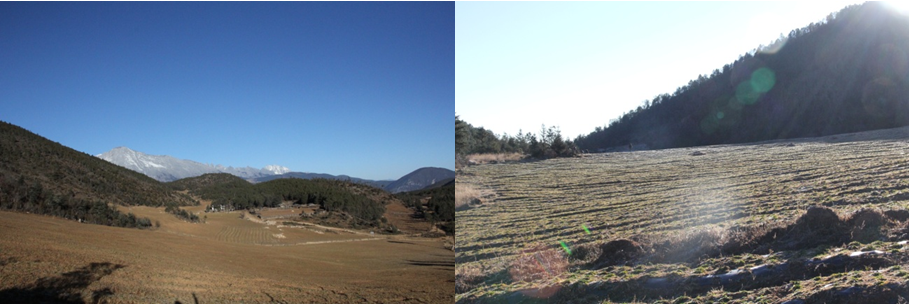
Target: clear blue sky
point(363, 89)
point(579, 65)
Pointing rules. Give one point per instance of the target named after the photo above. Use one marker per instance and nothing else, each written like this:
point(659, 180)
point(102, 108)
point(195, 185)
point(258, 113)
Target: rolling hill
point(419, 179)
point(302, 175)
point(361, 205)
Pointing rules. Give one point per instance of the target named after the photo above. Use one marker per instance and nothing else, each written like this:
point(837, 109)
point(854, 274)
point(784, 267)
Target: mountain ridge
point(166, 168)
point(419, 179)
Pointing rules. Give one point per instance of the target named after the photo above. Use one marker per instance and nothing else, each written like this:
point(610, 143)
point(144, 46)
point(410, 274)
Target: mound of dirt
point(866, 218)
point(818, 218)
point(584, 254)
point(618, 251)
point(897, 215)
point(817, 226)
point(865, 225)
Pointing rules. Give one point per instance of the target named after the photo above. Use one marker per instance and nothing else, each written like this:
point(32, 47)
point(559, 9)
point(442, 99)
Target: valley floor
point(224, 260)
point(523, 243)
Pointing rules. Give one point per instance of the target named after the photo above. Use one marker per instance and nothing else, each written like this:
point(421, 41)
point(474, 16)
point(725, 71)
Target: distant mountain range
point(167, 168)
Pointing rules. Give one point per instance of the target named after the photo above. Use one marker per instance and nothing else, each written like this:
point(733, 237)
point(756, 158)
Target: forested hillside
point(847, 73)
point(440, 208)
point(363, 203)
point(44, 177)
point(200, 185)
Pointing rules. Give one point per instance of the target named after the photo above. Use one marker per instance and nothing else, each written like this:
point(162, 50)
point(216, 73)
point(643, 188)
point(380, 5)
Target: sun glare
point(900, 6)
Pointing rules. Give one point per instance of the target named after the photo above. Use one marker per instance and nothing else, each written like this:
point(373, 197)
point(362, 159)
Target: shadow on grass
point(400, 242)
point(65, 288)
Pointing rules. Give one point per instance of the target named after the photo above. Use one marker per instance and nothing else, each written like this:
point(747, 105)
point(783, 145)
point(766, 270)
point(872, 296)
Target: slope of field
point(224, 260)
point(541, 211)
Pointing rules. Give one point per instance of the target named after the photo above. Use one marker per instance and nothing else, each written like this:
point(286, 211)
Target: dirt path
point(401, 217)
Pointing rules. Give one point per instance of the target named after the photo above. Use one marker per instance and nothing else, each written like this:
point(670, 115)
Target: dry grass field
point(674, 225)
point(224, 260)
point(400, 216)
point(494, 158)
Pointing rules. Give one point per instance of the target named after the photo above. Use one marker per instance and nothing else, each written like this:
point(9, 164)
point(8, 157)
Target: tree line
point(33, 197)
point(174, 209)
point(549, 143)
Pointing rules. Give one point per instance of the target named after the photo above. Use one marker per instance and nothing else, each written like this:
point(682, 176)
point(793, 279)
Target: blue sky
point(363, 89)
point(579, 65)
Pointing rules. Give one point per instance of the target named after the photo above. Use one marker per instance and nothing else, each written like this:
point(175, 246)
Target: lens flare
point(565, 247)
point(584, 226)
point(747, 92)
point(540, 263)
point(775, 47)
point(901, 7)
point(762, 80)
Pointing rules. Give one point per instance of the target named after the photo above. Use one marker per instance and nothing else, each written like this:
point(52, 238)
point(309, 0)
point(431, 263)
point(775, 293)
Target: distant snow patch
point(151, 164)
point(277, 169)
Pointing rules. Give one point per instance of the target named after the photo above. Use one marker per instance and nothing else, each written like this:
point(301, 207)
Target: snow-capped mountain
point(167, 168)
point(276, 169)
